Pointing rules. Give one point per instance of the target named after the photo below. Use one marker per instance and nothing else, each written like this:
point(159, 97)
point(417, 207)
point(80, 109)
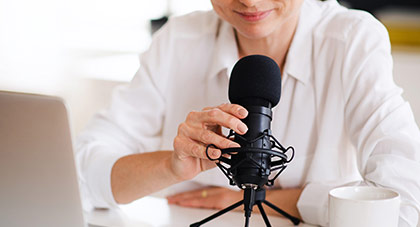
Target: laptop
point(38, 181)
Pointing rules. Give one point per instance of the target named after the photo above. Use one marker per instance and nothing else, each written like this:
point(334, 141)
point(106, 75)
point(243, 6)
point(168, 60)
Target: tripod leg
point(263, 214)
point(227, 209)
point(246, 221)
point(295, 221)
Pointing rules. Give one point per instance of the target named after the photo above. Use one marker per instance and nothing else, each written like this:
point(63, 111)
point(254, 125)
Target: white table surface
point(154, 211)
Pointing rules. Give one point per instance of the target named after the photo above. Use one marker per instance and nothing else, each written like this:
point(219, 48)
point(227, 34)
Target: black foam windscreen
point(255, 77)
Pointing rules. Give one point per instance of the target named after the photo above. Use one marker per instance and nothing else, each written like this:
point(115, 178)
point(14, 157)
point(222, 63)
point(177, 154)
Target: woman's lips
point(254, 16)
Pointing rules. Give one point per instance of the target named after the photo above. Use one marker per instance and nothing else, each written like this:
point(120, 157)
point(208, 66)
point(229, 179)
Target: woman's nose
point(250, 3)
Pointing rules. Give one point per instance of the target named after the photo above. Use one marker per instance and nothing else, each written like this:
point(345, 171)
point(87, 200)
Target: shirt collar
point(225, 50)
point(298, 60)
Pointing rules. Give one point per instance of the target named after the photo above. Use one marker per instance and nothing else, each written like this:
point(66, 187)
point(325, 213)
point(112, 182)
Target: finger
point(209, 137)
point(194, 193)
point(234, 109)
point(198, 203)
point(226, 115)
point(208, 108)
point(184, 195)
point(217, 198)
point(185, 147)
point(222, 118)
point(212, 127)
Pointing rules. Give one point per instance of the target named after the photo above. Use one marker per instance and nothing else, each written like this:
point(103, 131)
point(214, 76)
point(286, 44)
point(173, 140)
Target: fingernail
point(243, 112)
point(216, 153)
point(242, 128)
point(233, 145)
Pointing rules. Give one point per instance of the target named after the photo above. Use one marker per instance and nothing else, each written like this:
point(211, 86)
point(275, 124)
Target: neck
point(275, 45)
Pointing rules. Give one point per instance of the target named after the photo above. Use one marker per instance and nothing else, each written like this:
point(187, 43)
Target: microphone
point(255, 84)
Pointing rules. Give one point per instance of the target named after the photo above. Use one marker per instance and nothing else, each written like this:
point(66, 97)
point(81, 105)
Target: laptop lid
point(38, 181)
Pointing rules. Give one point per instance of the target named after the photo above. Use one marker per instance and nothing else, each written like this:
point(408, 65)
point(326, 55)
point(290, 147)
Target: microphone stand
point(251, 197)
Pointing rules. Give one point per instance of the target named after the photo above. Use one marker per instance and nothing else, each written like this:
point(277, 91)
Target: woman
point(340, 109)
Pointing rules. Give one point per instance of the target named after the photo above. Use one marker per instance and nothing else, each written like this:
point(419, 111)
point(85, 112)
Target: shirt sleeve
point(131, 124)
point(380, 124)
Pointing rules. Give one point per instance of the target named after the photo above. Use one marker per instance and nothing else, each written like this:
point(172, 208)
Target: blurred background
point(80, 50)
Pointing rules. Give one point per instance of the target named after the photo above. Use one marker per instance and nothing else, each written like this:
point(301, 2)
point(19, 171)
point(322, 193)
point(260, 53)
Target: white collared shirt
point(340, 108)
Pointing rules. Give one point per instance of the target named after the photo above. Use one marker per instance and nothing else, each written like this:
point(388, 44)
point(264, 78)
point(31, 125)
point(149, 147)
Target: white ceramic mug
point(365, 206)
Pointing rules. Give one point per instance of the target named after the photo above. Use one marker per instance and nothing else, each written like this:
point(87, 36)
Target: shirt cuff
point(313, 203)
point(98, 177)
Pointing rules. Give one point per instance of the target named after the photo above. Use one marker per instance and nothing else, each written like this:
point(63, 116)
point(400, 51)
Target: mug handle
point(411, 204)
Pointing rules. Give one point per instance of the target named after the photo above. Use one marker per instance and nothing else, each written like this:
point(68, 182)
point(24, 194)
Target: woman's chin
point(254, 32)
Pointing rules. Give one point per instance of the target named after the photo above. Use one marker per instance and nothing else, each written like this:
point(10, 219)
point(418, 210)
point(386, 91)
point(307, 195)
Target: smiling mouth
point(254, 16)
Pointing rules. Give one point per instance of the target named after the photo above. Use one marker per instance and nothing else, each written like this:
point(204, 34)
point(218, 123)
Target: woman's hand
point(211, 198)
point(200, 129)
point(219, 198)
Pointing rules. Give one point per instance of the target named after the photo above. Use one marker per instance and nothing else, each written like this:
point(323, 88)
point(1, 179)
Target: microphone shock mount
point(263, 161)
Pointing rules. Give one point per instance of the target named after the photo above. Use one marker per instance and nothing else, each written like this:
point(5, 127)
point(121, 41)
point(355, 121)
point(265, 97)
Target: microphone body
point(255, 84)
point(248, 173)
